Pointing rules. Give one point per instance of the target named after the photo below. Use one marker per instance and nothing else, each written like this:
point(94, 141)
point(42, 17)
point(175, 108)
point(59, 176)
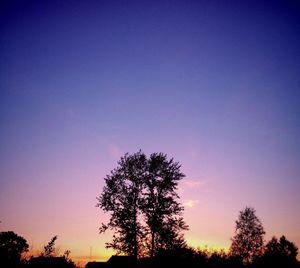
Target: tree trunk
point(135, 249)
point(152, 244)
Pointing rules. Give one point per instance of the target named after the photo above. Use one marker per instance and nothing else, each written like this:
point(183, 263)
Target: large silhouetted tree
point(11, 248)
point(247, 243)
point(121, 197)
point(141, 196)
point(161, 208)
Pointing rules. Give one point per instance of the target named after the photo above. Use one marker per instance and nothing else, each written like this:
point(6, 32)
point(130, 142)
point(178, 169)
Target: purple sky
point(215, 85)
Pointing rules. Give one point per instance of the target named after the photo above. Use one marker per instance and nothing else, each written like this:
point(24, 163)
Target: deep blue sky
point(215, 84)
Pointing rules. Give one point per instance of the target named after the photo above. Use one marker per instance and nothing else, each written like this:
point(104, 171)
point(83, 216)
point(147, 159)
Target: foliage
point(162, 211)
point(141, 196)
point(67, 254)
point(280, 252)
point(122, 197)
point(49, 249)
point(11, 248)
point(247, 244)
point(48, 258)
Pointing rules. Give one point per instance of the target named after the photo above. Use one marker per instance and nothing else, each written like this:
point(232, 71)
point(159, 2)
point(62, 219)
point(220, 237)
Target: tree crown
point(141, 196)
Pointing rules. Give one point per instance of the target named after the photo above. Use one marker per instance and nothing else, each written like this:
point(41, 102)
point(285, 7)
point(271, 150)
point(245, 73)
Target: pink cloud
point(114, 151)
point(194, 183)
point(190, 203)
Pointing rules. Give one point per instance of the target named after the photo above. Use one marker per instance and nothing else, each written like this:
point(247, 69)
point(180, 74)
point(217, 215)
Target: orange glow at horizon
point(209, 245)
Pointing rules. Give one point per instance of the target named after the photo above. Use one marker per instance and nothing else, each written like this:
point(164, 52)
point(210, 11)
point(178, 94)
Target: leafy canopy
point(247, 243)
point(140, 195)
point(11, 247)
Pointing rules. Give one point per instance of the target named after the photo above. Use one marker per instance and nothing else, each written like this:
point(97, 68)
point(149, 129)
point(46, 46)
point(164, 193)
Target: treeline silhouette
point(276, 253)
point(147, 219)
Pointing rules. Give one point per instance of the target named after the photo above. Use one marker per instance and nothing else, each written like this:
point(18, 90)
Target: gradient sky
point(214, 84)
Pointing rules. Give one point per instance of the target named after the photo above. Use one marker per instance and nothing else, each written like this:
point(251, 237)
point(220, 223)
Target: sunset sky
point(213, 84)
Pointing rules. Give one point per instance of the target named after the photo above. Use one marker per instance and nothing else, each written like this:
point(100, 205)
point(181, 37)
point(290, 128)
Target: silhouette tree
point(121, 197)
point(161, 208)
point(247, 244)
point(280, 252)
point(141, 196)
point(288, 248)
point(67, 254)
point(49, 249)
point(49, 258)
point(11, 248)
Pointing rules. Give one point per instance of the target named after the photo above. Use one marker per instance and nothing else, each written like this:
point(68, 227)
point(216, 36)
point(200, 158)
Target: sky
point(213, 84)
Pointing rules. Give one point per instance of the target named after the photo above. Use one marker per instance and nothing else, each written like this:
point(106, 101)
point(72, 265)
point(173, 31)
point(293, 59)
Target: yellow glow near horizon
point(206, 244)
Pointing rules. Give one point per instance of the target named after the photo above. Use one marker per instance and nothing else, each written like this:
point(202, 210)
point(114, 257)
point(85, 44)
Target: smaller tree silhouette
point(11, 248)
point(287, 248)
point(247, 243)
point(280, 252)
point(49, 249)
point(67, 254)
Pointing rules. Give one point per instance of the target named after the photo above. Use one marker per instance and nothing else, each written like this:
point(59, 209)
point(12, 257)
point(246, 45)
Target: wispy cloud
point(195, 183)
point(190, 203)
point(114, 151)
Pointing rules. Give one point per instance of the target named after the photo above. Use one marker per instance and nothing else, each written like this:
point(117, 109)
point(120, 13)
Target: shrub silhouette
point(280, 252)
point(49, 249)
point(11, 248)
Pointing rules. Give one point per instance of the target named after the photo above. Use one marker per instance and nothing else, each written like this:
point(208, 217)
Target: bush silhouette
point(11, 248)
